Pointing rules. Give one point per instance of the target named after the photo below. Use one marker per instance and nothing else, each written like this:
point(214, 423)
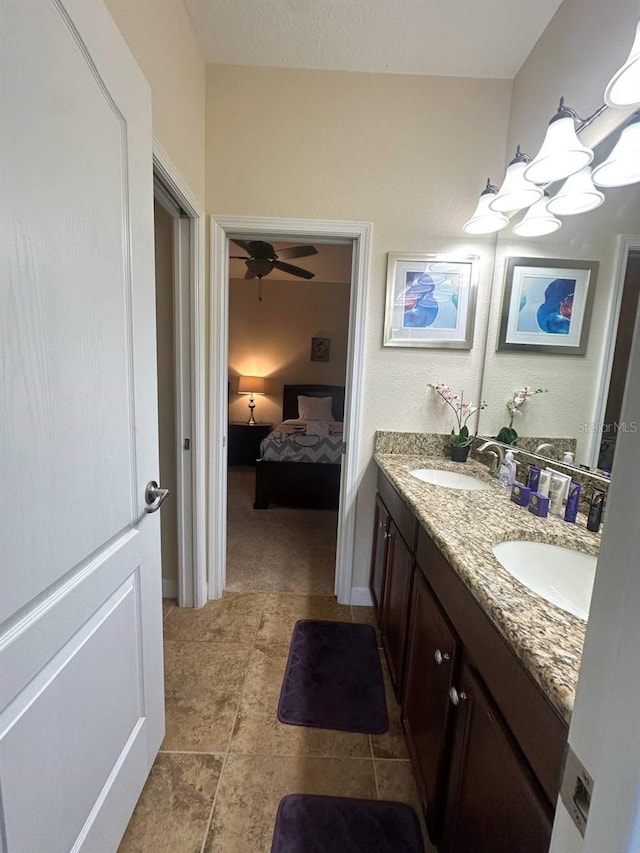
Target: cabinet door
point(379, 556)
point(432, 650)
point(397, 587)
point(494, 804)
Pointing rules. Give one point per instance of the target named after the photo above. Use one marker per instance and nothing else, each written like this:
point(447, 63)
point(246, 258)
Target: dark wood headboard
point(290, 399)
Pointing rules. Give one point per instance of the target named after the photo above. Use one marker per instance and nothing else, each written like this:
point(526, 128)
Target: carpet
point(333, 679)
point(313, 824)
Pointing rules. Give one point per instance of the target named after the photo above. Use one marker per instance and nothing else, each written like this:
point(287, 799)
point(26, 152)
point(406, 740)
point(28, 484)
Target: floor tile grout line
point(227, 752)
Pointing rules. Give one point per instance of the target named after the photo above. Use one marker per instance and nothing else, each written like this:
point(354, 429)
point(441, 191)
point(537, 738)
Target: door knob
point(154, 496)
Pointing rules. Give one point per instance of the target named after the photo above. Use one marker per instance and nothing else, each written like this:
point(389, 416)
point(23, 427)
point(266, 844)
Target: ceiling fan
point(263, 258)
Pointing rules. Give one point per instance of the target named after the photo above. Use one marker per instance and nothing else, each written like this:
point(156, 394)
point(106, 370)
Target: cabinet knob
point(457, 698)
point(387, 535)
point(381, 524)
point(440, 656)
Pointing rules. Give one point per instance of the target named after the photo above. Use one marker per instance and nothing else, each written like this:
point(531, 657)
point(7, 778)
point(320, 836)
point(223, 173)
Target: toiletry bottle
point(509, 461)
point(555, 495)
point(573, 502)
point(544, 483)
point(596, 508)
point(503, 475)
point(567, 457)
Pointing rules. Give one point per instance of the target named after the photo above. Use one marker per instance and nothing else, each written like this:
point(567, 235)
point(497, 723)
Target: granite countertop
point(464, 525)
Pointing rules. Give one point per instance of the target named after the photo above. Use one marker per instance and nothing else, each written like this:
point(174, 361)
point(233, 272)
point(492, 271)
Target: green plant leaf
point(508, 435)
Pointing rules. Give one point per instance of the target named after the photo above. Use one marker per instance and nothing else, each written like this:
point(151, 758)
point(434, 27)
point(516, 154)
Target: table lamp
point(251, 385)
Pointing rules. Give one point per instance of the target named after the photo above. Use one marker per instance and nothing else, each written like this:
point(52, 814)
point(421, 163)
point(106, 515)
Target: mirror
point(582, 394)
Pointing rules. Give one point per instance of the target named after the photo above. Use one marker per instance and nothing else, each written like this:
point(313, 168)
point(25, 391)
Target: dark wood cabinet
point(494, 803)
point(379, 556)
point(488, 761)
point(397, 588)
point(244, 442)
point(432, 656)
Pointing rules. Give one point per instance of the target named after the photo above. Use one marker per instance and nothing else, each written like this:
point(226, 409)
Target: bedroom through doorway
point(288, 335)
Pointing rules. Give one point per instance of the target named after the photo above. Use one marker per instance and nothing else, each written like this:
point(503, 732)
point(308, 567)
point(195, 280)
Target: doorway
point(288, 339)
point(309, 231)
point(179, 228)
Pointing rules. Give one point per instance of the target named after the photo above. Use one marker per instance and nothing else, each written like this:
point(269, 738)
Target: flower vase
point(460, 452)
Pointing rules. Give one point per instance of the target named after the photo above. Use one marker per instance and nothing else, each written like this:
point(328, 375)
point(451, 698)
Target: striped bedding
point(304, 441)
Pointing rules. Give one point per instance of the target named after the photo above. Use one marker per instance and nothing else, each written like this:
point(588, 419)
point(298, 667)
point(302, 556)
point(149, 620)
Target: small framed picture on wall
point(320, 348)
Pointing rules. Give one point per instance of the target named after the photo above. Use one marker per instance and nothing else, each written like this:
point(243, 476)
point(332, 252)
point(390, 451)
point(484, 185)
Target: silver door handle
point(154, 496)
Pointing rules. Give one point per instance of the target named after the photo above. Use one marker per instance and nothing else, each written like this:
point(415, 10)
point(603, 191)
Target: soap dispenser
point(507, 472)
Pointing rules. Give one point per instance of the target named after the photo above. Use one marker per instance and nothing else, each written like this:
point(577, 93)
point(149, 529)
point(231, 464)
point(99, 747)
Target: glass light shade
point(622, 166)
point(562, 154)
point(516, 192)
point(537, 221)
point(577, 195)
point(485, 220)
point(623, 90)
point(251, 385)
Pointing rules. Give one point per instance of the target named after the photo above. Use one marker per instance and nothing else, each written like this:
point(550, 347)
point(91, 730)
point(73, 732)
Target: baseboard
point(169, 588)
point(361, 596)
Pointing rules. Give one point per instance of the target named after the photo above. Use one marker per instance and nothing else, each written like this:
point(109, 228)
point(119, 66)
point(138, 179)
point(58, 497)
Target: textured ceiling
point(331, 264)
point(458, 38)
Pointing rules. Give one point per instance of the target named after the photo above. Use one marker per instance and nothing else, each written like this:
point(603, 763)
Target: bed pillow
point(315, 408)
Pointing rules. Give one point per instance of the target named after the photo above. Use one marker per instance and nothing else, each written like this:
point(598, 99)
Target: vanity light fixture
point(623, 90)
point(485, 220)
point(562, 154)
point(516, 192)
point(622, 166)
point(578, 194)
point(537, 221)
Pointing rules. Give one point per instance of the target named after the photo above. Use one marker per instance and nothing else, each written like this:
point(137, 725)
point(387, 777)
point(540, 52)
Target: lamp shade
point(485, 220)
point(251, 385)
point(577, 195)
point(562, 154)
point(623, 90)
point(537, 221)
point(622, 166)
point(516, 192)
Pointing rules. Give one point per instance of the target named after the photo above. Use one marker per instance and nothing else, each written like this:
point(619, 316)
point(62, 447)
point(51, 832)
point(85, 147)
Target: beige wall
point(163, 228)
point(272, 338)
point(409, 154)
point(160, 37)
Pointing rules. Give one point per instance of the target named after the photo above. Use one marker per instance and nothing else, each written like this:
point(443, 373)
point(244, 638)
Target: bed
point(314, 482)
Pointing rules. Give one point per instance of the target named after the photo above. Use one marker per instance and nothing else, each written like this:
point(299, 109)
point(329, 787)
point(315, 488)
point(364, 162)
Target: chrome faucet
point(497, 453)
point(546, 450)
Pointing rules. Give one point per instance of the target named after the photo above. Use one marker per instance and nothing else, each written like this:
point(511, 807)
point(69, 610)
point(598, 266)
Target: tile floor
point(226, 761)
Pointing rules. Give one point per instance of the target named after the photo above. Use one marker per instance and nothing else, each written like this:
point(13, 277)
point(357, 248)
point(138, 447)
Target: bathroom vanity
point(484, 670)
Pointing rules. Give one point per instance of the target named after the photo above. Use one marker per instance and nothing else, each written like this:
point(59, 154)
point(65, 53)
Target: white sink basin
point(560, 575)
point(449, 479)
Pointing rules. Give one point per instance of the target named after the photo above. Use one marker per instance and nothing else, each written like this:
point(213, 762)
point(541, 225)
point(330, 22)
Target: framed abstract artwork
point(546, 305)
point(431, 301)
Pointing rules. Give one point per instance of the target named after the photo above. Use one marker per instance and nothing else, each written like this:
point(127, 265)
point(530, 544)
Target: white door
point(81, 695)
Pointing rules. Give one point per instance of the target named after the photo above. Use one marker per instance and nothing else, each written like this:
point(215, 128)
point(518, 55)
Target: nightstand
point(244, 442)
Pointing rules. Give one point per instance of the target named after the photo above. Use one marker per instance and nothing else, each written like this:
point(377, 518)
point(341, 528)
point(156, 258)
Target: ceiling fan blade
point(260, 266)
point(293, 270)
point(238, 258)
point(297, 252)
point(243, 245)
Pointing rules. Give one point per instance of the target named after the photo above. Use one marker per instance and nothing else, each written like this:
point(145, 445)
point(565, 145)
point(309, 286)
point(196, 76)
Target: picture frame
point(547, 305)
point(320, 349)
point(430, 300)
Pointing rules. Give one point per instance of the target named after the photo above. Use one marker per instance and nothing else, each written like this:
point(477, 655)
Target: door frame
point(222, 228)
point(190, 365)
point(627, 243)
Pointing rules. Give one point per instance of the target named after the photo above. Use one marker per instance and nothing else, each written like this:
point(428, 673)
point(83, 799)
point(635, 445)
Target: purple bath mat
point(333, 679)
point(306, 823)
